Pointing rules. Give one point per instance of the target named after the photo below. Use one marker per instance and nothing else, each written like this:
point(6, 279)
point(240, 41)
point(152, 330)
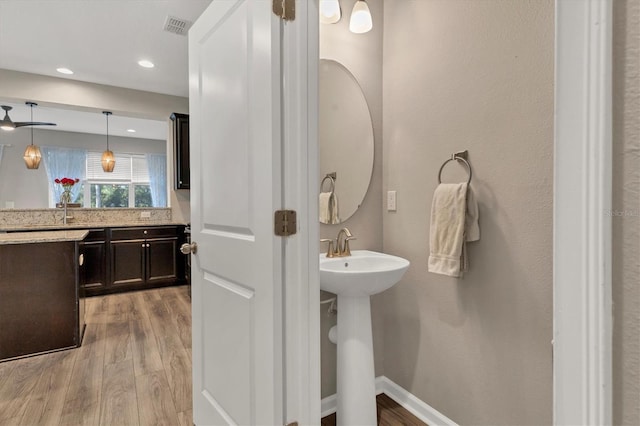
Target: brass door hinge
point(285, 222)
point(285, 9)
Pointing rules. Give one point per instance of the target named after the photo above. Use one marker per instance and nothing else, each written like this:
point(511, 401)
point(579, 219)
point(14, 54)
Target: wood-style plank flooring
point(133, 368)
point(390, 413)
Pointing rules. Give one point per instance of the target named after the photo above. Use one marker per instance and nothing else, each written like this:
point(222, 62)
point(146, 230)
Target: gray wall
point(626, 227)
point(362, 55)
point(474, 75)
point(29, 188)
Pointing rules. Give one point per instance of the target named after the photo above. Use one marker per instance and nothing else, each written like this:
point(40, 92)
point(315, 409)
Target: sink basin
point(362, 274)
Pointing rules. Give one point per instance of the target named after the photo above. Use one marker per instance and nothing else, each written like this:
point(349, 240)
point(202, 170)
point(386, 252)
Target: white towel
point(454, 220)
point(328, 206)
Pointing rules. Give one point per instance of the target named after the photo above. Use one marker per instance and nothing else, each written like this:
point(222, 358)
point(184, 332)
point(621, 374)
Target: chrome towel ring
point(462, 157)
point(332, 181)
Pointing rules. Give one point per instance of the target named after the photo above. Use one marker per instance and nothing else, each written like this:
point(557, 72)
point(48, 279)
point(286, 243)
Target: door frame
point(300, 57)
point(582, 307)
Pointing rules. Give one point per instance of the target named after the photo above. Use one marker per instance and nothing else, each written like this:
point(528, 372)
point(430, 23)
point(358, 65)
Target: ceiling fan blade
point(6, 122)
point(33, 123)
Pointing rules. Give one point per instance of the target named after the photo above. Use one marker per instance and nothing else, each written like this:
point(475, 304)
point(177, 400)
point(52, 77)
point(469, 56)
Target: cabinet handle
point(143, 245)
point(148, 245)
point(81, 259)
point(145, 232)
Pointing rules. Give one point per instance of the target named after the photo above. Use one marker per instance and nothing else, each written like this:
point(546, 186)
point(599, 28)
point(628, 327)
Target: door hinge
point(285, 222)
point(285, 9)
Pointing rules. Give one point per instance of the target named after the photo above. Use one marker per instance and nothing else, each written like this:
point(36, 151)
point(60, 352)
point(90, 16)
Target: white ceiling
point(101, 41)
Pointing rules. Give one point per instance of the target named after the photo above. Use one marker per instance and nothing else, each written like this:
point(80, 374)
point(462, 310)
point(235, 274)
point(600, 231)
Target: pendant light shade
point(330, 11)
point(361, 21)
point(32, 154)
point(108, 159)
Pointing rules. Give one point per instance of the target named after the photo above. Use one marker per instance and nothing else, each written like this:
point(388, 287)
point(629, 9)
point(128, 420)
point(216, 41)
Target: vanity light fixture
point(108, 159)
point(361, 21)
point(32, 154)
point(330, 12)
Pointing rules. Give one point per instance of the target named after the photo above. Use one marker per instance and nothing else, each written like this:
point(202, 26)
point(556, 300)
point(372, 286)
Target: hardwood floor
point(133, 368)
point(390, 413)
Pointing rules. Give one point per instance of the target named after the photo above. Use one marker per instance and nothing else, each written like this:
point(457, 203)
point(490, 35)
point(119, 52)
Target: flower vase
point(65, 197)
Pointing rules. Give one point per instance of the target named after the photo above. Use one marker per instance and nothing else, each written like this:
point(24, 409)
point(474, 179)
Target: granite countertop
point(76, 225)
point(43, 237)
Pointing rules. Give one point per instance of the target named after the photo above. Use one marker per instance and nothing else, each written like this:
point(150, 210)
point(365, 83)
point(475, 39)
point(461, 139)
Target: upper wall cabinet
point(181, 150)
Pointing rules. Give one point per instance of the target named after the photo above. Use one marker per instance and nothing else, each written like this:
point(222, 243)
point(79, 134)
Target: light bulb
point(360, 18)
point(330, 11)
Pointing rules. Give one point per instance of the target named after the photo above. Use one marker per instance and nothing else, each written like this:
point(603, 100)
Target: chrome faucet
point(340, 246)
point(64, 204)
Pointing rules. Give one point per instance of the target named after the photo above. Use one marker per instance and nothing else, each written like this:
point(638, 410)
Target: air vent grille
point(177, 25)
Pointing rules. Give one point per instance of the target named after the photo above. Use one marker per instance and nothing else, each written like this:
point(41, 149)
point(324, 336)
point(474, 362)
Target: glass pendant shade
point(108, 159)
point(361, 21)
point(330, 11)
point(32, 156)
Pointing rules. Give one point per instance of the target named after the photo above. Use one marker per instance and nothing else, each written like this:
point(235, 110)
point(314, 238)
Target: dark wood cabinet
point(41, 305)
point(94, 271)
point(131, 258)
point(127, 262)
point(146, 257)
point(182, 179)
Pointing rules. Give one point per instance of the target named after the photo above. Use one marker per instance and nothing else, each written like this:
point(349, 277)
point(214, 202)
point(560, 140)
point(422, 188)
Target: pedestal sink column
point(356, 376)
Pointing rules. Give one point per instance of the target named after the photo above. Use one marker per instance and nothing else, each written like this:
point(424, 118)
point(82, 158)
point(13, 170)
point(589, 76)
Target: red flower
point(66, 182)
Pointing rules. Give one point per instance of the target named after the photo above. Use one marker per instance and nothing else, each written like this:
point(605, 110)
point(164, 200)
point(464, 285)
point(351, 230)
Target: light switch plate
point(391, 201)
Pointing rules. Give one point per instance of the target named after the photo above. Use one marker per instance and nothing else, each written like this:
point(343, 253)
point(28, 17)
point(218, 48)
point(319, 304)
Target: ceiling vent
point(177, 25)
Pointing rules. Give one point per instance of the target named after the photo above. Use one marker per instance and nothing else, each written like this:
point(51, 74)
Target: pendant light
point(330, 11)
point(360, 22)
point(108, 159)
point(32, 154)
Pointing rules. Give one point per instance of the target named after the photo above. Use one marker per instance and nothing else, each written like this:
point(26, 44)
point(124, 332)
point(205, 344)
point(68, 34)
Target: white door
point(235, 125)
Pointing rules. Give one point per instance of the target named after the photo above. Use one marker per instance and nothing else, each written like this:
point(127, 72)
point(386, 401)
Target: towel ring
point(332, 180)
point(460, 156)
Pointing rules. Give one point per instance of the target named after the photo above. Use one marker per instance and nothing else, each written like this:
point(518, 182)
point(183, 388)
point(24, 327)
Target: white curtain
point(157, 164)
point(64, 162)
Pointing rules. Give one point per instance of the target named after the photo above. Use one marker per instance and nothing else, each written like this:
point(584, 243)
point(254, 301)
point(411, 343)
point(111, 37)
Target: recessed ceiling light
point(131, 130)
point(64, 71)
point(146, 64)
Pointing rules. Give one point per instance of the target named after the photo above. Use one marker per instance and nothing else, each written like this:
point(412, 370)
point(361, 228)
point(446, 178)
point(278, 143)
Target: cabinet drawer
point(142, 233)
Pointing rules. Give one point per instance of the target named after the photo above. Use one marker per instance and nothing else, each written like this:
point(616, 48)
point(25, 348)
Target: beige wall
point(626, 226)
point(361, 54)
point(474, 75)
point(62, 92)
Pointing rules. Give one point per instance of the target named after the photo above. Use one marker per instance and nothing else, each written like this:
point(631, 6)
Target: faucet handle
point(347, 251)
point(330, 250)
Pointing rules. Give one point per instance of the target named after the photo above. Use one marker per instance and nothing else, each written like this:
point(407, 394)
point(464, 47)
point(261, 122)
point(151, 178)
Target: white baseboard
point(415, 406)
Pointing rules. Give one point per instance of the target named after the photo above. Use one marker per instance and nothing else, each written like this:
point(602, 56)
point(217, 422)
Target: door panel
point(234, 97)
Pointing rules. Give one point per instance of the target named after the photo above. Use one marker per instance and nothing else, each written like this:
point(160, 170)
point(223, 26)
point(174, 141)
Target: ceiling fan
point(7, 124)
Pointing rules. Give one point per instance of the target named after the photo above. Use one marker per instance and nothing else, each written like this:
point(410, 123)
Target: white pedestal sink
point(354, 278)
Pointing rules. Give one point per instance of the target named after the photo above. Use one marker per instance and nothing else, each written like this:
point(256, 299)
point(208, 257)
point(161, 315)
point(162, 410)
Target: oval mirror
point(346, 143)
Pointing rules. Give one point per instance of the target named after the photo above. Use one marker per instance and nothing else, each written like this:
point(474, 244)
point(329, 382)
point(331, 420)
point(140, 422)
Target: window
point(127, 186)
